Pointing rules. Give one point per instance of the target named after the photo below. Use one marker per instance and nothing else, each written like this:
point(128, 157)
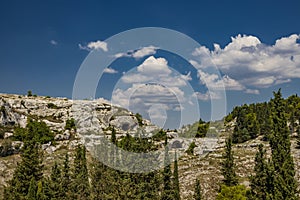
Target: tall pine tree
point(228, 166)
point(80, 188)
point(259, 184)
point(285, 184)
point(176, 179)
point(167, 193)
point(30, 168)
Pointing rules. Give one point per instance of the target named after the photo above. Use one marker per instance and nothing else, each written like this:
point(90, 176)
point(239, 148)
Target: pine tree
point(197, 191)
point(259, 184)
point(285, 184)
point(55, 183)
point(176, 180)
point(167, 173)
point(228, 170)
point(80, 188)
point(66, 177)
point(30, 166)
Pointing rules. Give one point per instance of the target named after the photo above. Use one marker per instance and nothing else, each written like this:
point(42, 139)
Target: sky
point(247, 49)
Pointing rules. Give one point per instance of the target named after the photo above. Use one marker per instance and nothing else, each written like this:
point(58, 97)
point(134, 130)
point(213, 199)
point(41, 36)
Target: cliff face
point(94, 119)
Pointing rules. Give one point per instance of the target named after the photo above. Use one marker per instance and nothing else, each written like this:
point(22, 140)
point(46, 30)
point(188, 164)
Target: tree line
point(273, 178)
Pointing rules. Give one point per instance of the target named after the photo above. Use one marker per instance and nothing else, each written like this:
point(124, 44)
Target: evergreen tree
point(259, 184)
point(30, 166)
point(55, 183)
point(176, 180)
point(66, 178)
point(80, 184)
point(228, 170)
point(285, 184)
point(197, 191)
point(167, 173)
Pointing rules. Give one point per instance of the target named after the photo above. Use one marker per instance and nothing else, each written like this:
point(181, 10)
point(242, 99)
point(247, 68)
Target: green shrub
point(238, 192)
point(70, 124)
point(161, 135)
point(52, 106)
point(37, 131)
point(139, 119)
point(190, 150)
point(29, 93)
point(6, 148)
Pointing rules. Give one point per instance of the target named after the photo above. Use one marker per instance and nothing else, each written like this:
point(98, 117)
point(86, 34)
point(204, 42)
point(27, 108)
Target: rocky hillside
point(93, 121)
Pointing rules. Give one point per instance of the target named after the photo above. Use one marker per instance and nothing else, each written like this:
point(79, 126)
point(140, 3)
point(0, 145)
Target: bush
point(70, 124)
point(29, 93)
point(238, 192)
point(52, 106)
point(190, 150)
point(35, 130)
point(161, 135)
point(139, 119)
point(6, 148)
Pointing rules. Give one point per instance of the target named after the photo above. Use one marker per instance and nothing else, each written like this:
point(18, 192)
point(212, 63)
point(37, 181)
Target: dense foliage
point(255, 119)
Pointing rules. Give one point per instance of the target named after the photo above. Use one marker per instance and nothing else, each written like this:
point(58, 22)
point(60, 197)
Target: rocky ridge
point(93, 121)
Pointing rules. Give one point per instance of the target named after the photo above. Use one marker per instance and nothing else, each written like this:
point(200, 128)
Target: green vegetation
point(139, 119)
point(228, 165)
point(255, 119)
point(197, 191)
point(190, 150)
point(29, 93)
point(6, 148)
point(198, 129)
point(77, 177)
point(37, 131)
point(52, 106)
point(70, 124)
point(237, 192)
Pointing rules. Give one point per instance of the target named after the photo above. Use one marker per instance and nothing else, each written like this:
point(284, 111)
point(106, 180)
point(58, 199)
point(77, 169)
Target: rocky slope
point(93, 121)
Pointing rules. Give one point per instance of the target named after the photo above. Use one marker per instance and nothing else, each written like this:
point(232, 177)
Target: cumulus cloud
point(250, 63)
point(143, 96)
point(110, 71)
point(156, 70)
point(153, 83)
point(213, 81)
point(97, 45)
point(140, 53)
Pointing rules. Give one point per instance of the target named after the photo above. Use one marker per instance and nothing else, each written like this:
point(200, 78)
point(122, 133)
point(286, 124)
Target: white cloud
point(97, 45)
point(154, 66)
point(145, 51)
point(154, 83)
point(143, 96)
point(140, 53)
point(250, 63)
point(156, 70)
point(110, 71)
point(53, 42)
point(208, 95)
point(213, 81)
point(252, 91)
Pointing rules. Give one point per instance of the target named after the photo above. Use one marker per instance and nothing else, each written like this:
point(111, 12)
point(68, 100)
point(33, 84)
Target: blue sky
point(258, 46)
